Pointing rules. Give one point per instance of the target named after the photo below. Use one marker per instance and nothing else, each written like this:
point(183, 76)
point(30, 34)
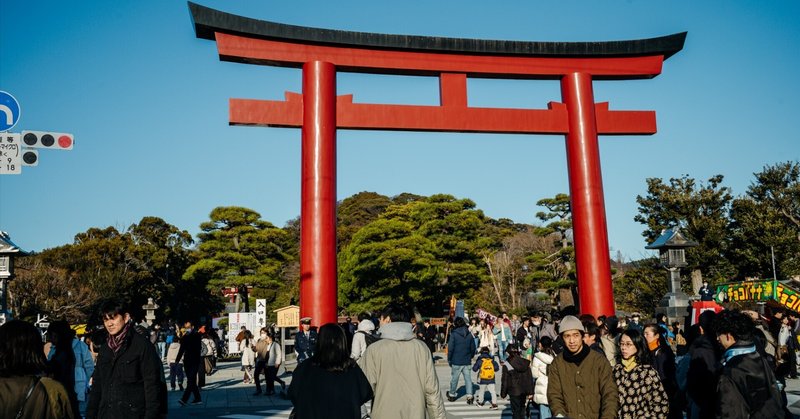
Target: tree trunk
point(697, 281)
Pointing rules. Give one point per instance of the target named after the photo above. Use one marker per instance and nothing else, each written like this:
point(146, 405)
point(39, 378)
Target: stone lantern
point(150, 312)
point(8, 251)
point(672, 246)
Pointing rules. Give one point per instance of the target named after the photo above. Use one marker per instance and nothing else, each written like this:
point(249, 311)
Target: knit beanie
point(570, 323)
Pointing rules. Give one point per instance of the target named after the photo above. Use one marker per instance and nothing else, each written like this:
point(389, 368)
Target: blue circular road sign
point(9, 111)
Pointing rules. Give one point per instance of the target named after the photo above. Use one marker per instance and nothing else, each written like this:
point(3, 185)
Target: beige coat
point(400, 370)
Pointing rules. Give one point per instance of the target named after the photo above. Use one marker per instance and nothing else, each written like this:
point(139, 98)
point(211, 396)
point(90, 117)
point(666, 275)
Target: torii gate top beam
point(242, 39)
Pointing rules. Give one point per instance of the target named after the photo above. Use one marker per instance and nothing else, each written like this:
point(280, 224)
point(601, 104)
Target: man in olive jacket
point(400, 370)
point(127, 378)
point(580, 383)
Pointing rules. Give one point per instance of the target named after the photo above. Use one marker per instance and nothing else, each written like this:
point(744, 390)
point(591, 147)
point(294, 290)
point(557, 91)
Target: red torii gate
point(319, 112)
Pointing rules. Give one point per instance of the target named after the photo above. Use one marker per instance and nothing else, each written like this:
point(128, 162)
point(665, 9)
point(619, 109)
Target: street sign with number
point(10, 154)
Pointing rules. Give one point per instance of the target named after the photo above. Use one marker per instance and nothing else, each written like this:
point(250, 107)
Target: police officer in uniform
point(305, 341)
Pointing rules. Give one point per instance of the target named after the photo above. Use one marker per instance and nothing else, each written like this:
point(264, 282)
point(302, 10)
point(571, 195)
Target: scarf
point(115, 342)
point(653, 345)
point(629, 364)
point(737, 350)
point(576, 358)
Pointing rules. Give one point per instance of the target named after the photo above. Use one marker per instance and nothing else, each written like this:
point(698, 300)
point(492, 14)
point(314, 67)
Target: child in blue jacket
point(486, 367)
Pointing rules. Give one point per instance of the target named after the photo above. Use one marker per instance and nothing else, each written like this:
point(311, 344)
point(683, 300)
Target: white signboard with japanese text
point(235, 323)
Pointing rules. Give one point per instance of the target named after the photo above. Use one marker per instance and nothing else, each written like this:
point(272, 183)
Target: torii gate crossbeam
point(320, 112)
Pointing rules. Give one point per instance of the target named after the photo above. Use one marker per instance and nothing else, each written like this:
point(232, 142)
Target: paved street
point(224, 396)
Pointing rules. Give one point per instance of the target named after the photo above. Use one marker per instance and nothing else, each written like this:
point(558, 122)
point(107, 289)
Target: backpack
point(203, 349)
point(369, 338)
point(487, 369)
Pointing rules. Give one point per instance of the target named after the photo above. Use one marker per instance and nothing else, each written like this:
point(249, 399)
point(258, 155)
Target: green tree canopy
point(238, 249)
point(418, 253)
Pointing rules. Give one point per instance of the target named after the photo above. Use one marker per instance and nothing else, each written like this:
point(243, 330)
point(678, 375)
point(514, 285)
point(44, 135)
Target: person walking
point(25, 390)
point(641, 394)
point(261, 350)
point(208, 351)
point(701, 375)
point(365, 327)
point(503, 337)
point(460, 350)
point(486, 337)
point(128, 378)
point(517, 382)
point(176, 373)
point(580, 382)
point(400, 371)
point(192, 363)
point(329, 385)
point(542, 359)
point(486, 367)
point(747, 387)
point(274, 357)
point(248, 356)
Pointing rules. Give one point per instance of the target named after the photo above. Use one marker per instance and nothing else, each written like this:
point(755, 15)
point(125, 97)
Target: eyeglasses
point(626, 344)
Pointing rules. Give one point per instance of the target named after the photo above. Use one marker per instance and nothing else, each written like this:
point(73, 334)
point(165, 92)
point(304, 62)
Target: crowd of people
point(731, 364)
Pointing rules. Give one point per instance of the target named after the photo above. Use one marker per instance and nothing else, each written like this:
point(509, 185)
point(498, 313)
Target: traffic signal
point(45, 139)
point(30, 157)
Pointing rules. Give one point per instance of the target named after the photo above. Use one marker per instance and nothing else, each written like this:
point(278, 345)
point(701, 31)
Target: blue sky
point(148, 104)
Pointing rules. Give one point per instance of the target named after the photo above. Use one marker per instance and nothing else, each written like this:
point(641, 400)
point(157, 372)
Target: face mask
point(263, 336)
point(535, 323)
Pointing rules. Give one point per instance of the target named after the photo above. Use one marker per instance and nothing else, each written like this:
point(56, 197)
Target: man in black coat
point(747, 387)
point(128, 376)
point(701, 378)
point(190, 353)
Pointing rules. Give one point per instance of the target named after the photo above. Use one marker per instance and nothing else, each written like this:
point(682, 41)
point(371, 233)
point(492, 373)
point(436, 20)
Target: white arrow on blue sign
point(9, 111)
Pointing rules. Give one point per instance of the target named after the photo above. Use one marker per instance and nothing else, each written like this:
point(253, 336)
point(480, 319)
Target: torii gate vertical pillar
point(586, 195)
point(318, 284)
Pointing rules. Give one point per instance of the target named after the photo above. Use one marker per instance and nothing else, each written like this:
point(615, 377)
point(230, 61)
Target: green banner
point(762, 290)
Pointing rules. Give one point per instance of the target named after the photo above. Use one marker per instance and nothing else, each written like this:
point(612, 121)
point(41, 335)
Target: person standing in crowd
point(591, 337)
point(517, 382)
point(400, 371)
point(663, 360)
point(365, 327)
point(610, 338)
point(248, 356)
point(175, 368)
point(274, 357)
point(542, 359)
point(161, 341)
point(706, 292)
point(428, 333)
point(475, 328)
point(747, 387)
point(701, 378)
point(192, 362)
point(635, 322)
point(305, 340)
point(460, 350)
point(486, 337)
point(503, 336)
point(83, 364)
point(580, 382)
point(641, 394)
point(486, 367)
point(330, 385)
point(128, 377)
point(61, 360)
point(541, 327)
point(25, 390)
point(523, 331)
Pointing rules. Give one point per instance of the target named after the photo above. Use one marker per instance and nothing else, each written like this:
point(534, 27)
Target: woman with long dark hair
point(663, 360)
point(330, 384)
point(641, 394)
point(25, 391)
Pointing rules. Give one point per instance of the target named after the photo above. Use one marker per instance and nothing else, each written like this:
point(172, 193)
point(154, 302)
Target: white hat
point(570, 323)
